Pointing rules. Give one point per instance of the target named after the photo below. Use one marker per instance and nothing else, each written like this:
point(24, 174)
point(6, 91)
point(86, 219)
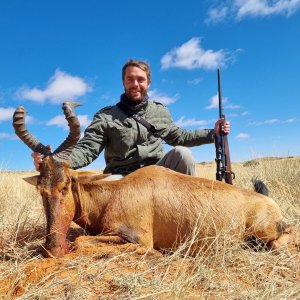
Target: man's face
point(135, 83)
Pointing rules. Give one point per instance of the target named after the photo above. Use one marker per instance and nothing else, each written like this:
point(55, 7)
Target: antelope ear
point(32, 179)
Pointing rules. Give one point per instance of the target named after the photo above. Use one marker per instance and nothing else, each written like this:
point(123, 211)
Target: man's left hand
point(225, 127)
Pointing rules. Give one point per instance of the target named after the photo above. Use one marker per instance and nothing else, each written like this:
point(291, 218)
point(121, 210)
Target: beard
point(136, 94)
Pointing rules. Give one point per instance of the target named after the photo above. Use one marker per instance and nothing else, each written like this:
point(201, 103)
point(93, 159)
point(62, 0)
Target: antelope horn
point(22, 132)
point(65, 149)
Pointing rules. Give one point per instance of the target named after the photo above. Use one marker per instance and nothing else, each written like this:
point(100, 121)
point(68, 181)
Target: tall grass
point(282, 176)
point(227, 270)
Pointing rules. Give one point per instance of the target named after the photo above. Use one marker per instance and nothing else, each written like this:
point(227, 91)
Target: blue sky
point(57, 50)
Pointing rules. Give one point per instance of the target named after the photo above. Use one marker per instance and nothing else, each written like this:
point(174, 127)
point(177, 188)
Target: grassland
point(230, 271)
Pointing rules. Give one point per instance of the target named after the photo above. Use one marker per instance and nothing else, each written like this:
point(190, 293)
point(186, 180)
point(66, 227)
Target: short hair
point(139, 64)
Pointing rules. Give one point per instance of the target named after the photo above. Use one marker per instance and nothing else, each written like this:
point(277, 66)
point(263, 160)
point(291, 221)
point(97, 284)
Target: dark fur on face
point(51, 173)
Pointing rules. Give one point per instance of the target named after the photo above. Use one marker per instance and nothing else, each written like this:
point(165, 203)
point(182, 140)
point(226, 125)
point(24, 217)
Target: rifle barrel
point(220, 95)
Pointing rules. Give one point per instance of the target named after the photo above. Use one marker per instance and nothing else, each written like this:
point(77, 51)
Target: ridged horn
point(65, 149)
point(22, 132)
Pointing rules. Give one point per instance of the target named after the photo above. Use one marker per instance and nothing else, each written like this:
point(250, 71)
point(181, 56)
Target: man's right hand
point(37, 158)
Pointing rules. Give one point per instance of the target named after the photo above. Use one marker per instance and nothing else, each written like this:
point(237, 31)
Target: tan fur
point(91, 177)
point(160, 209)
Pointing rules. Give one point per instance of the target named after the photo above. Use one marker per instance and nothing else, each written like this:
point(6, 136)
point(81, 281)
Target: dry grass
point(227, 271)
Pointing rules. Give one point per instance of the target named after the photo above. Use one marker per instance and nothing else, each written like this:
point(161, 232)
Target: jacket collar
point(134, 105)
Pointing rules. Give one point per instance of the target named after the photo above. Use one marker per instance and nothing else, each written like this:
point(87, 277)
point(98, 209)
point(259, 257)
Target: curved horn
point(22, 132)
point(65, 149)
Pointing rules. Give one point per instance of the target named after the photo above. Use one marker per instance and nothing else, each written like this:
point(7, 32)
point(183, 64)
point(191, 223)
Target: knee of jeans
point(184, 152)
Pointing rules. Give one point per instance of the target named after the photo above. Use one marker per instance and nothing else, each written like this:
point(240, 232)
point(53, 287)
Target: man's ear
point(32, 179)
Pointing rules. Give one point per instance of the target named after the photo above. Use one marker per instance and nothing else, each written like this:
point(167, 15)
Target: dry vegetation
point(98, 271)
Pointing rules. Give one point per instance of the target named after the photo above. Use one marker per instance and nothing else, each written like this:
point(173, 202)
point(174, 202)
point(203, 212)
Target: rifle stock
point(229, 175)
point(224, 170)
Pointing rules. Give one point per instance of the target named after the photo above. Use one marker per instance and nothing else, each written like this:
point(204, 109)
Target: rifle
point(222, 148)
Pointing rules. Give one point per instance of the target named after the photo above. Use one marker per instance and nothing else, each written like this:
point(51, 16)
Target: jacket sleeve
point(176, 136)
point(91, 145)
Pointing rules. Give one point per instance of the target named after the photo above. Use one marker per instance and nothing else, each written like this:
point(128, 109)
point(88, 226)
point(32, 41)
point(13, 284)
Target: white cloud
point(182, 122)
point(245, 113)
point(272, 121)
point(231, 115)
point(61, 122)
point(29, 119)
point(61, 86)
point(162, 98)
point(232, 106)
point(6, 114)
point(84, 120)
point(195, 81)
point(191, 55)
point(265, 8)
point(217, 14)
point(291, 120)
point(242, 136)
point(266, 122)
point(8, 136)
point(240, 9)
point(214, 103)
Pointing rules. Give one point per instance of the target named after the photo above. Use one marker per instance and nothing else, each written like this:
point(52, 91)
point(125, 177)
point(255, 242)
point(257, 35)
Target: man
point(127, 143)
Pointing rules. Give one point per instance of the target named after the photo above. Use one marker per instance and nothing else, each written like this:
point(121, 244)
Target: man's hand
point(37, 158)
point(225, 127)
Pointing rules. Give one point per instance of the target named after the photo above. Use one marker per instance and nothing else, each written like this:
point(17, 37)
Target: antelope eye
point(64, 190)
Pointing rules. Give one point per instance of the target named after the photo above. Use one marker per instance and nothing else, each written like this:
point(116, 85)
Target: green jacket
point(128, 144)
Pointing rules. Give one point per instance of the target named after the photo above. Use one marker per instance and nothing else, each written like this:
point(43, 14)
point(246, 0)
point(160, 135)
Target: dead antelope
point(152, 206)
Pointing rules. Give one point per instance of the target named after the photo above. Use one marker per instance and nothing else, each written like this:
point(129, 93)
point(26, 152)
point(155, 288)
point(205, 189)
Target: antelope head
point(54, 181)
